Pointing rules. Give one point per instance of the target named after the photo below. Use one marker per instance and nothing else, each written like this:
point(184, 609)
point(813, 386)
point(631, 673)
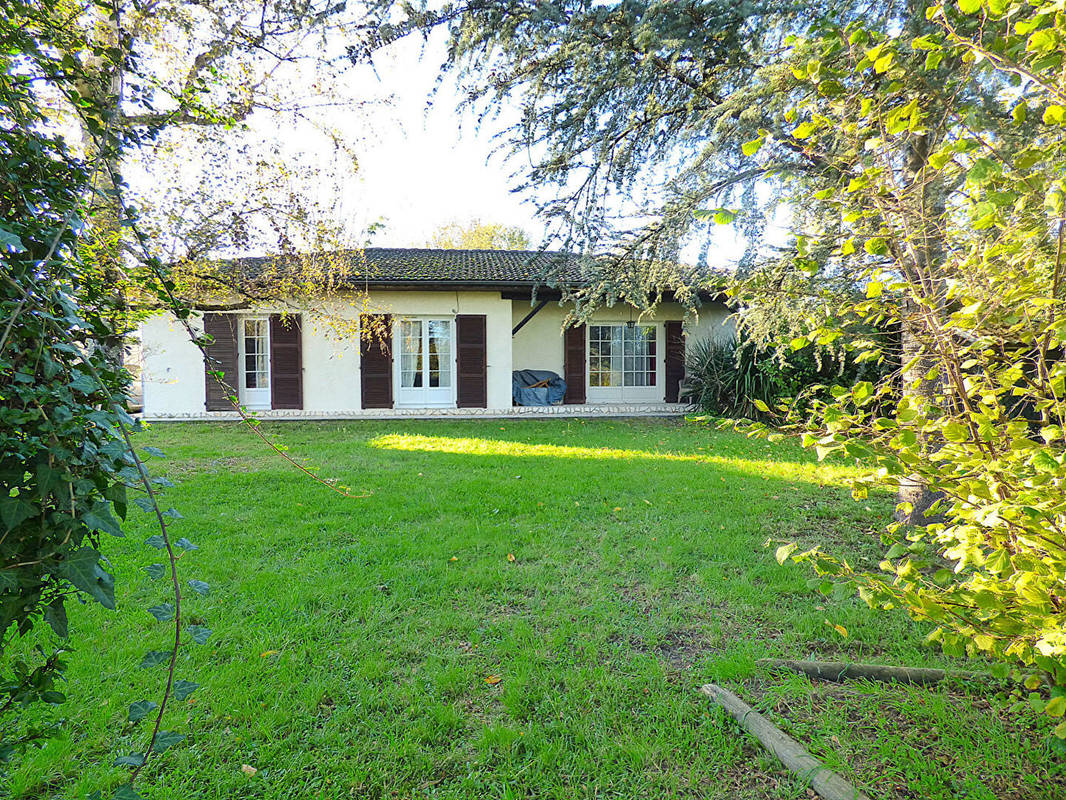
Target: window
point(440, 348)
point(621, 355)
point(256, 354)
point(411, 353)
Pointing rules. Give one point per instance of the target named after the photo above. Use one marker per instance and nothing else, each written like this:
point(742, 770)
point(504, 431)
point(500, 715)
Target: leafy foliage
point(923, 154)
point(950, 211)
point(478, 235)
point(67, 461)
point(63, 466)
point(742, 379)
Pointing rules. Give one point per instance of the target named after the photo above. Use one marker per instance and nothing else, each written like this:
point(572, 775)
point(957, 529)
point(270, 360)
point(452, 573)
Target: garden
point(511, 609)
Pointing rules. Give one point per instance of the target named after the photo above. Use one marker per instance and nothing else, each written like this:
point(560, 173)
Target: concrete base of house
point(522, 412)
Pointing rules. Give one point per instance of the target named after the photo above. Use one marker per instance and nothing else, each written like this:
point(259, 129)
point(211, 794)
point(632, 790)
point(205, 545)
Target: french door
point(255, 362)
point(426, 374)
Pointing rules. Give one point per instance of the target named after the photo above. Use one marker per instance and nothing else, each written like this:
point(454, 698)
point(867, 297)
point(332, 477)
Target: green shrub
point(731, 379)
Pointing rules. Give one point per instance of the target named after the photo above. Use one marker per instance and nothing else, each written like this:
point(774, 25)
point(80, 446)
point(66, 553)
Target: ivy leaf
point(173, 513)
point(157, 541)
point(10, 243)
point(141, 709)
point(201, 588)
point(155, 571)
point(83, 570)
point(1055, 115)
point(153, 658)
point(145, 503)
point(164, 740)
point(1042, 41)
point(162, 612)
point(183, 689)
point(185, 544)
point(199, 633)
point(82, 382)
point(154, 451)
point(55, 614)
point(15, 510)
point(100, 519)
point(876, 246)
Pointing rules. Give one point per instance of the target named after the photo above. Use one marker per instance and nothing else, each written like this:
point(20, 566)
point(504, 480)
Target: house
point(450, 327)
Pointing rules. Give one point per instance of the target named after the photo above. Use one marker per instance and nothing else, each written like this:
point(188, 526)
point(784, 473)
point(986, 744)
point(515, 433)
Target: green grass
point(353, 636)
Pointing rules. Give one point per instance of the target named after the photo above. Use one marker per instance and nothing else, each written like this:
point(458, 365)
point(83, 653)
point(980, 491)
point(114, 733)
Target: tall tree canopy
point(478, 235)
point(635, 114)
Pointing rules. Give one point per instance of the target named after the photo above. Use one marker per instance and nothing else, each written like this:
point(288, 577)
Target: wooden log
point(843, 671)
point(790, 752)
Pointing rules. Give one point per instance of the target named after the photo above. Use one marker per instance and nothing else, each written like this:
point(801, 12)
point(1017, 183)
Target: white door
point(426, 374)
point(255, 362)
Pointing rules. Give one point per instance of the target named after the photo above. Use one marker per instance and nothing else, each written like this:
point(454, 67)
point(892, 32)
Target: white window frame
point(256, 399)
point(406, 397)
point(626, 394)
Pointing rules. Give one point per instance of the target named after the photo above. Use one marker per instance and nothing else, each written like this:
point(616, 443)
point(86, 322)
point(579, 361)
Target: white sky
point(422, 165)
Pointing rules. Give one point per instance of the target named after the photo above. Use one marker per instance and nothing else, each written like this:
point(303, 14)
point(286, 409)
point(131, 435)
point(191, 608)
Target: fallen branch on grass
point(791, 753)
point(842, 671)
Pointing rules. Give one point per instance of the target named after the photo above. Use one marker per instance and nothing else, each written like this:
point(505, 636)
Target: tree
point(183, 82)
point(65, 468)
point(478, 235)
point(961, 239)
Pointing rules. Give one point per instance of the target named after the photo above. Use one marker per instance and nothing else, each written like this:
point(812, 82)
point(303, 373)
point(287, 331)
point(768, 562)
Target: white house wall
point(173, 380)
point(539, 345)
point(173, 376)
point(172, 368)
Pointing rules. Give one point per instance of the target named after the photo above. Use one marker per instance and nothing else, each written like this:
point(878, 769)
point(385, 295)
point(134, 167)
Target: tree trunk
point(925, 252)
point(912, 490)
point(103, 85)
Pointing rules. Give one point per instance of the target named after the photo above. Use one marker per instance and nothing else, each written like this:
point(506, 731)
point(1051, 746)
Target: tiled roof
point(407, 265)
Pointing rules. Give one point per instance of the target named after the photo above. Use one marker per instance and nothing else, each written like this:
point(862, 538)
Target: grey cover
point(550, 395)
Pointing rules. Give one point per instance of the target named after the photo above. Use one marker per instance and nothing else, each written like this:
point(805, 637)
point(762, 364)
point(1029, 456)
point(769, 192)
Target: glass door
point(426, 363)
point(255, 362)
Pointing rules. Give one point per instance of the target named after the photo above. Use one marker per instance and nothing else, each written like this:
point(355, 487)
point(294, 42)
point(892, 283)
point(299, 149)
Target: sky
point(422, 164)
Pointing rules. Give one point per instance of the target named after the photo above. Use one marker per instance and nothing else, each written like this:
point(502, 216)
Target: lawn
point(602, 570)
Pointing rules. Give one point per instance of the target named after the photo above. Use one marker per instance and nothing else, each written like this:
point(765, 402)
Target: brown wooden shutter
point(286, 362)
point(471, 361)
point(375, 360)
point(220, 356)
point(574, 364)
point(675, 360)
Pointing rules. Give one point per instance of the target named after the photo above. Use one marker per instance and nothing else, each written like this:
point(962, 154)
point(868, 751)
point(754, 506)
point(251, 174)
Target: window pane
point(410, 353)
point(256, 354)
